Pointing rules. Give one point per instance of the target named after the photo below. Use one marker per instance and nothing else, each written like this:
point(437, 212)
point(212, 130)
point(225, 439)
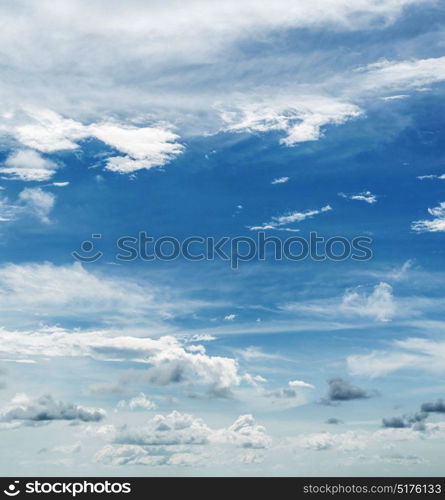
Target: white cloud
point(280, 180)
point(143, 147)
point(37, 202)
point(8, 211)
point(299, 216)
point(36, 292)
point(174, 69)
point(379, 304)
point(253, 352)
point(394, 97)
point(45, 409)
point(290, 218)
point(138, 402)
point(403, 74)
point(244, 433)
point(300, 384)
point(174, 364)
point(351, 441)
point(301, 121)
point(67, 449)
point(365, 196)
point(167, 361)
point(293, 395)
point(432, 176)
point(32, 202)
point(230, 317)
point(345, 441)
point(302, 118)
point(180, 439)
point(129, 455)
point(28, 165)
point(437, 224)
point(47, 131)
point(409, 354)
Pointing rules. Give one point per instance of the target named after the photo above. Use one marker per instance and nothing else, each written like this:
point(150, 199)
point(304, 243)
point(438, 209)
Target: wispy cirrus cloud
point(376, 303)
point(280, 180)
point(278, 222)
point(418, 354)
point(62, 293)
point(214, 93)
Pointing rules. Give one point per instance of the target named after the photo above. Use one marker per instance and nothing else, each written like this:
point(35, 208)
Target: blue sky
point(210, 119)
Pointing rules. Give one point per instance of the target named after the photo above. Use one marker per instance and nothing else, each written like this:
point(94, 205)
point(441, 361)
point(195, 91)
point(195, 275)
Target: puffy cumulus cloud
point(378, 305)
point(33, 202)
point(333, 421)
point(58, 293)
point(38, 203)
point(244, 433)
point(140, 402)
point(351, 441)
point(46, 131)
point(46, 409)
point(434, 407)
point(365, 196)
point(435, 225)
point(412, 353)
point(178, 365)
point(28, 165)
point(289, 218)
point(129, 455)
point(180, 439)
point(301, 121)
point(173, 429)
point(363, 303)
point(138, 455)
point(166, 358)
point(340, 389)
point(295, 390)
point(416, 421)
point(345, 441)
point(143, 147)
point(259, 396)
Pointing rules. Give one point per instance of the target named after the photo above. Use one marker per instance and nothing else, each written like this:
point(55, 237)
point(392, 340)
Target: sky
point(221, 120)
